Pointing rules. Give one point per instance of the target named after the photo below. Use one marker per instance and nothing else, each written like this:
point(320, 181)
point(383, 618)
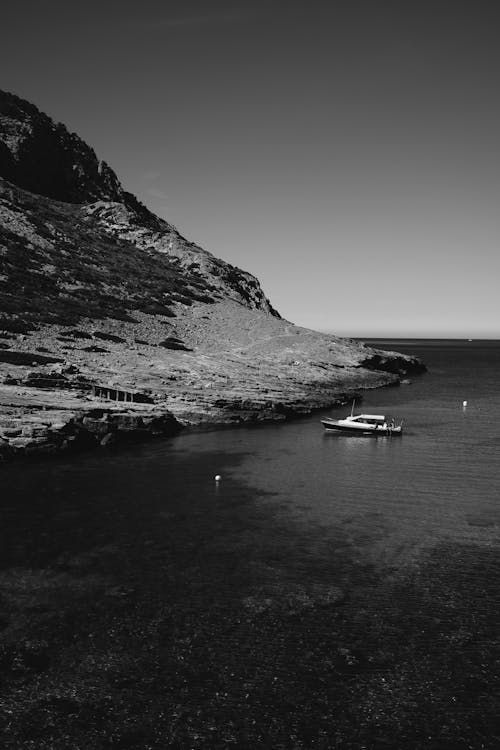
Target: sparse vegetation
point(26, 358)
point(75, 270)
point(79, 334)
point(174, 343)
point(108, 337)
point(95, 349)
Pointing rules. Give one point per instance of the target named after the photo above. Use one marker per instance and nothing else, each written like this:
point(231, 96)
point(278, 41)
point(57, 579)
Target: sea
point(329, 591)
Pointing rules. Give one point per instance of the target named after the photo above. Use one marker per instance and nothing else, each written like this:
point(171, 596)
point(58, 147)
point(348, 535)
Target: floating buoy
point(464, 403)
point(217, 477)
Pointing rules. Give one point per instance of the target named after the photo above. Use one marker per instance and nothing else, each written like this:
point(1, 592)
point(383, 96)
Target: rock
point(12, 432)
point(97, 427)
point(394, 362)
point(69, 370)
point(46, 159)
point(20, 442)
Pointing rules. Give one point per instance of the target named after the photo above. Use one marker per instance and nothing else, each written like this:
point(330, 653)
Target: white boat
point(364, 424)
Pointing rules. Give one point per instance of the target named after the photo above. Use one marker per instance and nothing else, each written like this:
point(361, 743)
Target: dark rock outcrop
point(91, 428)
point(43, 157)
point(399, 365)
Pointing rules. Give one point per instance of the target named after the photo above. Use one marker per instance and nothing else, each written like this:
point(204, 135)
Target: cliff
point(103, 302)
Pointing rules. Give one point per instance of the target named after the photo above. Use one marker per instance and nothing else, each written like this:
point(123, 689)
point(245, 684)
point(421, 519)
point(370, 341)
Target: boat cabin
point(368, 419)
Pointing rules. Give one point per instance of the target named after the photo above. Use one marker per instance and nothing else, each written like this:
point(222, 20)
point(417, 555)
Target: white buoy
point(217, 477)
point(464, 404)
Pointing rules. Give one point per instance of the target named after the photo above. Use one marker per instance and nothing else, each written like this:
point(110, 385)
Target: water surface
point(330, 591)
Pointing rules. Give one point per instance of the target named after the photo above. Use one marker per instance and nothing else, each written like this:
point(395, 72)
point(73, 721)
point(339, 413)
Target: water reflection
point(361, 442)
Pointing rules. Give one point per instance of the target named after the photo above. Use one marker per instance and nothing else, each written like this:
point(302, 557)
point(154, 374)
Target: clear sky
point(346, 153)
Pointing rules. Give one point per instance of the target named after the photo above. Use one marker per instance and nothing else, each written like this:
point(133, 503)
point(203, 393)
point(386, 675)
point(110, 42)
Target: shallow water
point(330, 591)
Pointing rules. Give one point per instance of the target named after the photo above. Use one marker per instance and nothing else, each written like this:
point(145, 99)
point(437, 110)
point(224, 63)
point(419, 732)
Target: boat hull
point(334, 425)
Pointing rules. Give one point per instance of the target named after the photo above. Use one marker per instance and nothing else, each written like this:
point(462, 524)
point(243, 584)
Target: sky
point(346, 153)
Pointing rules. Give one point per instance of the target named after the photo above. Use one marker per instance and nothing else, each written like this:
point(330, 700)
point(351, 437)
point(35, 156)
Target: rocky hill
point(102, 302)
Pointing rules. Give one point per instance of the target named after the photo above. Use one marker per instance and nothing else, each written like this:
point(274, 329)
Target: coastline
point(36, 424)
point(61, 390)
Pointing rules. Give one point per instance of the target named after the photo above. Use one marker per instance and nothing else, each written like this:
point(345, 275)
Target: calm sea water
point(330, 591)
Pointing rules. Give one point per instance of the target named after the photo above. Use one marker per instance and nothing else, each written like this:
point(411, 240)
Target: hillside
point(103, 302)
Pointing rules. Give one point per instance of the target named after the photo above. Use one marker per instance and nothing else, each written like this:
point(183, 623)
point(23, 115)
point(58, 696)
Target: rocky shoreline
point(66, 389)
point(38, 424)
point(34, 433)
point(62, 391)
point(40, 433)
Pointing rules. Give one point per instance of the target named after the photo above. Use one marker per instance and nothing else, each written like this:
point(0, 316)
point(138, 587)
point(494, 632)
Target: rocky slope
point(108, 315)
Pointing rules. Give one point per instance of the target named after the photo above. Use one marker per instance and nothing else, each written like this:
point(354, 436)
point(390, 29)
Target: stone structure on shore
point(113, 325)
